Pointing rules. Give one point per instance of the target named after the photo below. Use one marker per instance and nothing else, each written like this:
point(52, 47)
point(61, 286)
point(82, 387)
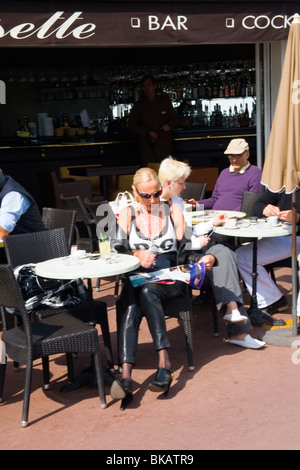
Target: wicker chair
point(247, 206)
point(69, 187)
point(36, 247)
point(248, 202)
point(85, 227)
point(194, 191)
point(180, 308)
point(55, 334)
point(104, 223)
point(58, 218)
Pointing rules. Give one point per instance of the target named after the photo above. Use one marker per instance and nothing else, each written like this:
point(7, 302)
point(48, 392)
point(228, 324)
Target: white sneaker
point(248, 342)
point(235, 317)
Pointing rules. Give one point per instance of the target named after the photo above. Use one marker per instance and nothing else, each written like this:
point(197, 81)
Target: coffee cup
point(261, 223)
point(273, 220)
point(231, 223)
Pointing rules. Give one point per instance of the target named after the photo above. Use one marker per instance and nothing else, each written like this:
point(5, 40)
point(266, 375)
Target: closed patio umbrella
point(281, 171)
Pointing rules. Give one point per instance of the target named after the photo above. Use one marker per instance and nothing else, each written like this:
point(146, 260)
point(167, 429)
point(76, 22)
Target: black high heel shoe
point(122, 390)
point(162, 381)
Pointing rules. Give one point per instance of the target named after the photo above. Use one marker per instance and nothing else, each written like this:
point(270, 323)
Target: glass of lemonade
point(104, 246)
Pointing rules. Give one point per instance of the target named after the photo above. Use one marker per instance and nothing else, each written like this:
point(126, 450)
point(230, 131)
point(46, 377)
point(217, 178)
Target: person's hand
point(287, 216)
point(146, 258)
point(219, 219)
point(270, 210)
point(153, 136)
point(204, 240)
point(209, 261)
point(165, 128)
point(192, 201)
point(3, 232)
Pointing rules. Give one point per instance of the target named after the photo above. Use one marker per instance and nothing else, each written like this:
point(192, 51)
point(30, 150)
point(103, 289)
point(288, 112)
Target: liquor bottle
point(227, 88)
point(65, 120)
point(236, 117)
point(218, 116)
point(230, 118)
point(25, 127)
point(232, 89)
point(241, 111)
point(246, 114)
point(253, 116)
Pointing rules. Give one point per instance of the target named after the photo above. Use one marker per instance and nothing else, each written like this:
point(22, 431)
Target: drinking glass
point(104, 246)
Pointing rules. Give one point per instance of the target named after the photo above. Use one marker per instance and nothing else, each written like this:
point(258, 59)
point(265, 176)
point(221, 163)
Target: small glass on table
point(104, 246)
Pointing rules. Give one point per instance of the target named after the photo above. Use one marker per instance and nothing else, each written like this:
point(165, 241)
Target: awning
point(80, 23)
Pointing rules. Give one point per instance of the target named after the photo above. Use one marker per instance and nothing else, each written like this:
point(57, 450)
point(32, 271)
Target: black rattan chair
point(105, 221)
point(55, 334)
point(248, 202)
point(58, 218)
point(85, 227)
point(194, 191)
point(180, 308)
point(36, 247)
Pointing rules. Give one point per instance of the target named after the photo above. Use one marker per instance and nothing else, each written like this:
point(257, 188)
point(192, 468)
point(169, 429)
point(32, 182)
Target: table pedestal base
point(88, 376)
point(259, 317)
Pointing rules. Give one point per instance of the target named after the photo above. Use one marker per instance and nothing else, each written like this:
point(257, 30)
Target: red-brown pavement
point(235, 399)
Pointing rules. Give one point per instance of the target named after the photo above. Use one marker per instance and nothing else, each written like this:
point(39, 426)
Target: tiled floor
point(235, 398)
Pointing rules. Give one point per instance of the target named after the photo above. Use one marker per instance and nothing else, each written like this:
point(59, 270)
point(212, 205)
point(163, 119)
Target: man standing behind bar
point(153, 118)
point(19, 212)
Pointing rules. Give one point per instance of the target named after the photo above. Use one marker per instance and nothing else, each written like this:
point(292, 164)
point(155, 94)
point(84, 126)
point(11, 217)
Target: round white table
point(70, 267)
point(245, 229)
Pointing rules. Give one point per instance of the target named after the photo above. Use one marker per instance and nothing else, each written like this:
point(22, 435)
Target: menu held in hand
point(192, 274)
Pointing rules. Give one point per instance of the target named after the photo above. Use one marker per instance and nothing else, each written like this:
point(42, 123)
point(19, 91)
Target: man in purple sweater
point(241, 176)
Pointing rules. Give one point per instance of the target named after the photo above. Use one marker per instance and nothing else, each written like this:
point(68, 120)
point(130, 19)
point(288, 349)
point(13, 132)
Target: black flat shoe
point(122, 390)
point(162, 381)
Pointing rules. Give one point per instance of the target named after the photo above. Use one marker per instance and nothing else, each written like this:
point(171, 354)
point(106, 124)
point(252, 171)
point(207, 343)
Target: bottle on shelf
point(246, 113)
point(241, 111)
point(26, 120)
point(253, 116)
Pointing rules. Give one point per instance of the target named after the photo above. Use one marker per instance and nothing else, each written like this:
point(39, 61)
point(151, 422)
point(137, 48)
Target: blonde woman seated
point(224, 275)
point(152, 231)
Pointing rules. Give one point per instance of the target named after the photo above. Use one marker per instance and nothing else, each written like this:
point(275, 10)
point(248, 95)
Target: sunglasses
point(239, 155)
point(149, 196)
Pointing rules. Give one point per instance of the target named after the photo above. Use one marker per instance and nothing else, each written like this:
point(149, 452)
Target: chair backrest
point(103, 216)
point(11, 297)
point(58, 218)
point(92, 207)
point(248, 201)
point(194, 191)
point(75, 203)
point(36, 247)
point(69, 188)
point(85, 226)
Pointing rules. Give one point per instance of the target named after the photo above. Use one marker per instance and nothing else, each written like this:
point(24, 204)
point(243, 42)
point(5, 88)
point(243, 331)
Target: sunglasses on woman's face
point(149, 196)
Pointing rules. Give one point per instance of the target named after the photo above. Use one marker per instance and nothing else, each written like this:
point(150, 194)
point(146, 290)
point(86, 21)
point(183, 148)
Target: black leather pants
point(144, 301)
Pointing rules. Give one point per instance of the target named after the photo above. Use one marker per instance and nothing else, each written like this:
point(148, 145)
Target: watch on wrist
point(154, 250)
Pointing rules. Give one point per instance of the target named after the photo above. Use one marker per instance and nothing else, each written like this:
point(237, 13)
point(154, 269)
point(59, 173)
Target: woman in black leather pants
point(152, 231)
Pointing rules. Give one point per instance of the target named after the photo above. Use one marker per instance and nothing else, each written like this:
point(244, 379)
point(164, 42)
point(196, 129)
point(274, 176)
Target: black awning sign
point(98, 24)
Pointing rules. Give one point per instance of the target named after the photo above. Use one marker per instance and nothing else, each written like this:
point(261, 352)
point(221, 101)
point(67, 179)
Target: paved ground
point(235, 399)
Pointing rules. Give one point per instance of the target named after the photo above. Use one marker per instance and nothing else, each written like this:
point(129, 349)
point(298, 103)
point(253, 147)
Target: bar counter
point(29, 160)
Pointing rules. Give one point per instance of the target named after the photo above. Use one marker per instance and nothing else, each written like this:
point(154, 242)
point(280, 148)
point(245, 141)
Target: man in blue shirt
point(19, 212)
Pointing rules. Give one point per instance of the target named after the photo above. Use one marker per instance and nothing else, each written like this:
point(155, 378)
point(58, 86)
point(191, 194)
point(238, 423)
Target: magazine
point(192, 274)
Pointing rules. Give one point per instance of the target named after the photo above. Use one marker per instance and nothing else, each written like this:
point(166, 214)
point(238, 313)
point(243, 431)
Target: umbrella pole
point(294, 265)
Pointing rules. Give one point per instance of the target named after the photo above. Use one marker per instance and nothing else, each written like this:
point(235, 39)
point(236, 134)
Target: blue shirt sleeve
point(13, 205)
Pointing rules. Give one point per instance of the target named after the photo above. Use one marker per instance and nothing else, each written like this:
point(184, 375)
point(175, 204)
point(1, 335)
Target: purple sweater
point(230, 187)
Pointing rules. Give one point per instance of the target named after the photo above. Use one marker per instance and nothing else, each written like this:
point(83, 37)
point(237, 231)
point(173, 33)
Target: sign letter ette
point(25, 30)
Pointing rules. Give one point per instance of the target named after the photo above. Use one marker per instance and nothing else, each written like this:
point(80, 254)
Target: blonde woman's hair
point(143, 175)
point(171, 169)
